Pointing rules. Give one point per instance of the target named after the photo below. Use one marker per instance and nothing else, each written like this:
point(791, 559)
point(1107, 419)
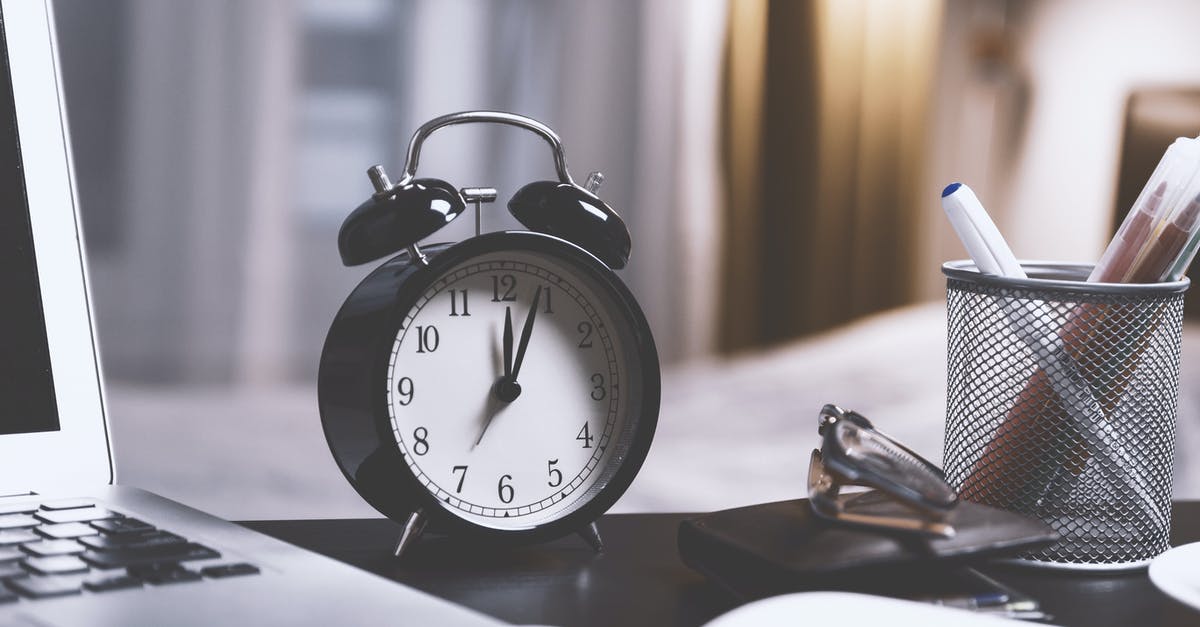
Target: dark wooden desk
point(639, 579)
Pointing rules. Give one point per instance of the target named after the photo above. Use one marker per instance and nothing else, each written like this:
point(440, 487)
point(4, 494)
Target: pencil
point(1160, 254)
point(1129, 241)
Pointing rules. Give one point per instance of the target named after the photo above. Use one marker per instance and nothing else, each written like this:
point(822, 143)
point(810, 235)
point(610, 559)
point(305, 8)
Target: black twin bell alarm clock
point(503, 389)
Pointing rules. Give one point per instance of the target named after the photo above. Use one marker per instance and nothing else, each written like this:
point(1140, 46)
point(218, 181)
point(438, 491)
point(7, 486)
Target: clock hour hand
point(508, 340)
point(507, 389)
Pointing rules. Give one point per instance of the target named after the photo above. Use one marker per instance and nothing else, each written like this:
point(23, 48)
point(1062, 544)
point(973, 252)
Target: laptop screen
point(27, 402)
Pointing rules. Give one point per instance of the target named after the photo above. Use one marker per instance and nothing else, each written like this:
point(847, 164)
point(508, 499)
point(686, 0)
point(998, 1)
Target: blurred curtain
point(221, 143)
point(826, 107)
point(197, 97)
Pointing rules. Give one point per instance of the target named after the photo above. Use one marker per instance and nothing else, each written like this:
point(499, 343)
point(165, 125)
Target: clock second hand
point(498, 390)
point(492, 407)
point(507, 389)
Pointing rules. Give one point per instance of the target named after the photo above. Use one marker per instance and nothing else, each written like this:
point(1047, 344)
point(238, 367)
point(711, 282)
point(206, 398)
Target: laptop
point(75, 548)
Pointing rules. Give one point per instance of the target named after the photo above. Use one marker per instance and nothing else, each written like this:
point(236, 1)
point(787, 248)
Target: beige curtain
point(826, 107)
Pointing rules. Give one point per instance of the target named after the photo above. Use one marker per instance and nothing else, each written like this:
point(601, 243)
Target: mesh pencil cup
point(1061, 405)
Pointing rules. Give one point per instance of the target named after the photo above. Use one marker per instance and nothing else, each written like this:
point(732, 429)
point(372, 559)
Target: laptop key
point(18, 508)
point(68, 504)
point(63, 531)
point(10, 537)
point(17, 521)
point(106, 583)
point(85, 514)
point(132, 541)
point(46, 548)
point(6, 595)
point(117, 526)
point(152, 555)
point(229, 570)
point(12, 570)
point(56, 565)
point(160, 574)
point(42, 587)
point(10, 553)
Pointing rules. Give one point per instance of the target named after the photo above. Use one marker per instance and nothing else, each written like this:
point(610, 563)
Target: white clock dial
point(497, 461)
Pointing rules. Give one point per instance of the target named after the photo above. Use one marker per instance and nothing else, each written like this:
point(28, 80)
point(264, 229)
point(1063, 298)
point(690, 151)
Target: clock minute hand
point(516, 368)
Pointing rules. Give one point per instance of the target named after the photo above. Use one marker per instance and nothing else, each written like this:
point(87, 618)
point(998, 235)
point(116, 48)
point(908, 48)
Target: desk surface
point(639, 579)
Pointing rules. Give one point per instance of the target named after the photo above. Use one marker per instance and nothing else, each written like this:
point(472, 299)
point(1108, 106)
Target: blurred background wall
point(768, 155)
point(779, 163)
point(1031, 110)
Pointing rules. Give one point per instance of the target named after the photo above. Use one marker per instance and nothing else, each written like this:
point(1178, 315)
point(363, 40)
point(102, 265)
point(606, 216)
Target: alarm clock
point(502, 389)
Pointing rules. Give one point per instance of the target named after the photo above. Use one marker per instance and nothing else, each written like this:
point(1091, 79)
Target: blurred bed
point(739, 431)
point(731, 432)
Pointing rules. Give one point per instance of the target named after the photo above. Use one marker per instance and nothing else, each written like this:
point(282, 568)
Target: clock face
point(509, 385)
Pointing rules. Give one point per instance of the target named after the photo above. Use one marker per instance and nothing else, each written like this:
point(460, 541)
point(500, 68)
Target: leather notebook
point(773, 548)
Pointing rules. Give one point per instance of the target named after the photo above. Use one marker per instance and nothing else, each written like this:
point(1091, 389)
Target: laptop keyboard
point(72, 546)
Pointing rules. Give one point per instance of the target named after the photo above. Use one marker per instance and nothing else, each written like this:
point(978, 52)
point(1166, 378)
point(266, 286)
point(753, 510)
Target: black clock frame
point(352, 388)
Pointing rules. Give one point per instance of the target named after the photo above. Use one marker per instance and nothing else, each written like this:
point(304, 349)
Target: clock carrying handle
point(496, 117)
point(399, 215)
point(560, 208)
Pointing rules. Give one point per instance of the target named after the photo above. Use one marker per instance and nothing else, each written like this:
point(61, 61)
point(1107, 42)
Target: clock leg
point(591, 535)
point(412, 530)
